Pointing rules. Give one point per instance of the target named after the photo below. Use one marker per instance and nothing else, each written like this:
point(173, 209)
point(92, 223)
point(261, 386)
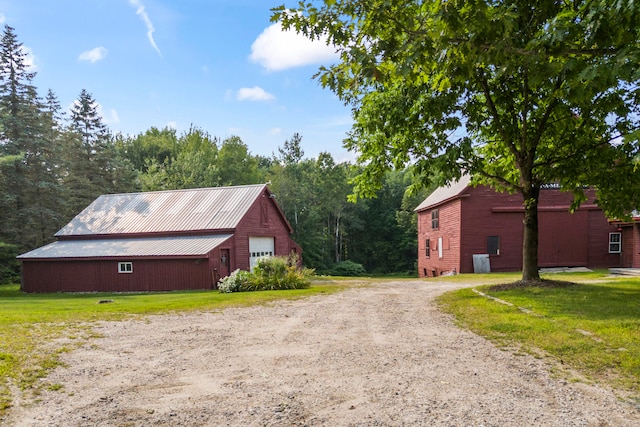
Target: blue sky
point(220, 65)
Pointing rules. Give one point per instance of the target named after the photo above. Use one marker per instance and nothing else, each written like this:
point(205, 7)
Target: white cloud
point(255, 93)
point(30, 59)
point(172, 125)
point(113, 116)
point(147, 22)
point(2, 18)
point(109, 117)
point(94, 55)
point(276, 49)
point(275, 131)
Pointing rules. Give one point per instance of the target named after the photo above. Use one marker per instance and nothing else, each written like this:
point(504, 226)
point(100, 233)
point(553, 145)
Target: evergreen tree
point(44, 193)
point(21, 134)
point(92, 163)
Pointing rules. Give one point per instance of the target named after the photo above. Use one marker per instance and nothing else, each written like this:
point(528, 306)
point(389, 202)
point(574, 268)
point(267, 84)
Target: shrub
point(234, 282)
point(269, 273)
point(348, 268)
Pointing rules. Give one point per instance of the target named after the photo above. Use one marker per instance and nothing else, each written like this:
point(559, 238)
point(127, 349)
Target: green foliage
point(237, 166)
point(269, 274)
point(593, 328)
point(53, 165)
point(9, 265)
point(235, 282)
point(347, 268)
point(515, 95)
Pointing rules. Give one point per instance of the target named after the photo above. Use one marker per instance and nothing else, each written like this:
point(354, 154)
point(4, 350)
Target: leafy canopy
point(517, 93)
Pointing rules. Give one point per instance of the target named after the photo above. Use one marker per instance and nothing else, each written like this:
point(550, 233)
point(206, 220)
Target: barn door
point(225, 262)
point(259, 247)
point(563, 239)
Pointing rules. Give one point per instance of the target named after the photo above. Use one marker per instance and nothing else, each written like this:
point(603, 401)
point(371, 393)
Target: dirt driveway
point(376, 356)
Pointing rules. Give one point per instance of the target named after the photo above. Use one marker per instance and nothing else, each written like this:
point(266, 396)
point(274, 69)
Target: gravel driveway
point(375, 356)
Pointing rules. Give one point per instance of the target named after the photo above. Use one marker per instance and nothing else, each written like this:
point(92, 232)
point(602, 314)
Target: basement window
point(615, 243)
point(125, 267)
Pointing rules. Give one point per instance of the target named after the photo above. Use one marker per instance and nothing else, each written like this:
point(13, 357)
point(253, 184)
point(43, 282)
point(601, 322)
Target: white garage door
point(259, 247)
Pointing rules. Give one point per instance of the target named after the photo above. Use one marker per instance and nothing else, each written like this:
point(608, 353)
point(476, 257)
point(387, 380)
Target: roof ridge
point(183, 190)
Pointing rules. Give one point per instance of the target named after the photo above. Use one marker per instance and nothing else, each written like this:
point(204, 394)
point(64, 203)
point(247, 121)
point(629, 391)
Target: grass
point(36, 328)
point(592, 328)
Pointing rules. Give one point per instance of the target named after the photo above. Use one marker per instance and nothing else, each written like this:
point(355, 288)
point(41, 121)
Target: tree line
point(53, 163)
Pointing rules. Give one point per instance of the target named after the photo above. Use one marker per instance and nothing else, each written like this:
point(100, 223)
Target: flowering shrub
point(234, 282)
point(269, 273)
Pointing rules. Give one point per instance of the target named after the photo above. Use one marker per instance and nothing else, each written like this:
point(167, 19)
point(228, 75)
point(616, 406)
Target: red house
point(160, 241)
point(463, 229)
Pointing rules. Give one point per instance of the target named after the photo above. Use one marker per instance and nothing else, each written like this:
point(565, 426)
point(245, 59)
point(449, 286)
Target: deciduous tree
point(513, 92)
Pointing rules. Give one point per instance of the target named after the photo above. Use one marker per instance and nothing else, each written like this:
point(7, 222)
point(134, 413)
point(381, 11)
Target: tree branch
point(494, 112)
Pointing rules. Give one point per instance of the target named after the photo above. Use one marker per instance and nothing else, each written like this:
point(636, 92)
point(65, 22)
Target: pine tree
point(20, 135)
point(92, 163)
point(45, 193)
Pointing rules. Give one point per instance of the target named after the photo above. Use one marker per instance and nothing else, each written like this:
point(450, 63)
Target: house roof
point(198, 209)
point(133, 247)
point(446, 193)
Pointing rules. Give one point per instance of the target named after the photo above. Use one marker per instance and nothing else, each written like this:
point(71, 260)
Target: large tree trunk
point(530, 240)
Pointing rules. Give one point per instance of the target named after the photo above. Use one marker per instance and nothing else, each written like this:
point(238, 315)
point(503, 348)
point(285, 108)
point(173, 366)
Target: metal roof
point(445, 193)
point(133, 247)
point(198, 209)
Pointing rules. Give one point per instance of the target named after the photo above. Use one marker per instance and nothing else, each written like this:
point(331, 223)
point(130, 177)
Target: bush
point(269, 273)
point(347, 268)
point(234, 282)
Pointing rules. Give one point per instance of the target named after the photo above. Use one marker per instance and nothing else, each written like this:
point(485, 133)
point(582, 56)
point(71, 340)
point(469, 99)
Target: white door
point(259, 247)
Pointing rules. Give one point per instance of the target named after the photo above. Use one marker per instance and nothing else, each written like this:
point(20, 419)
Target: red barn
point(465, 229)
point(160, 241)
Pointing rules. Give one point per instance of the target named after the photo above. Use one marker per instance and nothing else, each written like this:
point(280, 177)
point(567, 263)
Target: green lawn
point(592, 328)
point(36, 328)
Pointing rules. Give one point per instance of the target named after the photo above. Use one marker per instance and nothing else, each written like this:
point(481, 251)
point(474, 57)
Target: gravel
point(373, 356)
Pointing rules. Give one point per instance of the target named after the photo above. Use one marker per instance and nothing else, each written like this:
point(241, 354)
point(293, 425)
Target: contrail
point(147, 22)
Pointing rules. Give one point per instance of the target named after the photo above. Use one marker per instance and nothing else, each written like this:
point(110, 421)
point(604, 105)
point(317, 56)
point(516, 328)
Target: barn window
point(615, 243)
point(435, 219)
point(428, 247)
point(440, 247)
point(125, 267)
point(493, 245)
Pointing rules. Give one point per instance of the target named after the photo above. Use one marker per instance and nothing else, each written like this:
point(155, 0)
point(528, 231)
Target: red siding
point(103, 276)
point(263, 219)
point(565, 239)
point(479, 221)
point(449, 232)
point(631, 245)
point(636, 246)
point(599, 229)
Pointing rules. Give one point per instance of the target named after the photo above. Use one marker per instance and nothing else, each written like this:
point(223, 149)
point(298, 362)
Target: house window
point(435, 220)
point(493, 245)
point(428, 247)
point(615, 243)
point(125, 267)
